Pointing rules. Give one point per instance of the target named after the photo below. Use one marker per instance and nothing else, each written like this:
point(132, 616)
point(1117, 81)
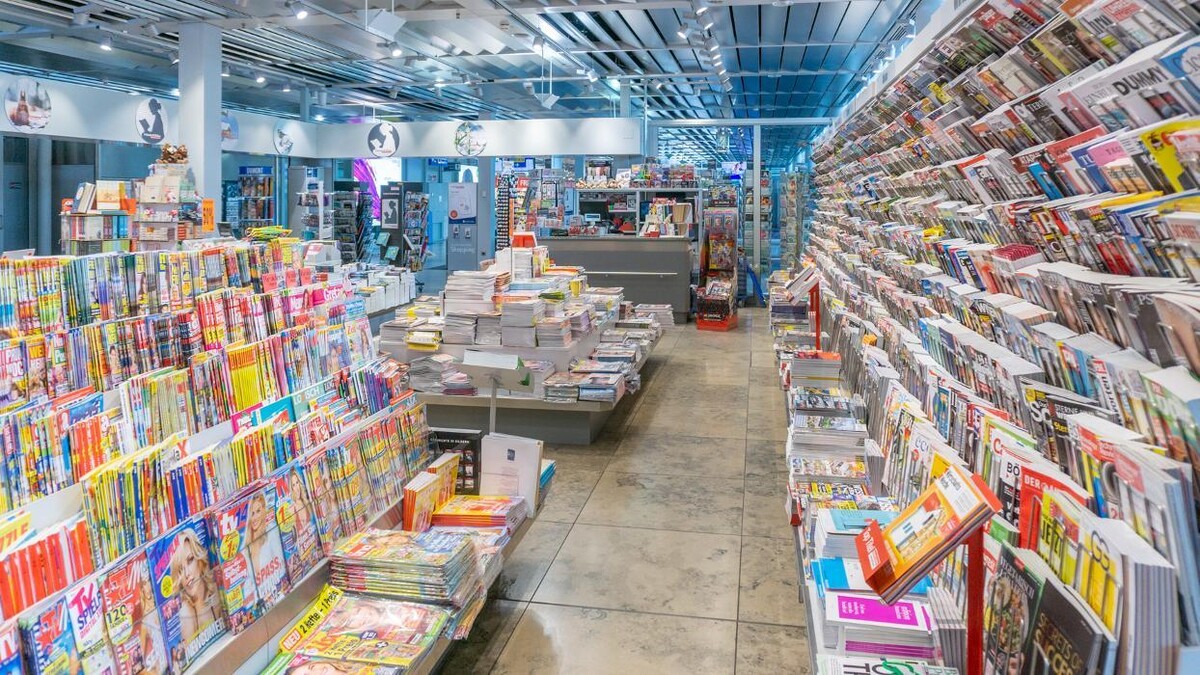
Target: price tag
point(208, 215)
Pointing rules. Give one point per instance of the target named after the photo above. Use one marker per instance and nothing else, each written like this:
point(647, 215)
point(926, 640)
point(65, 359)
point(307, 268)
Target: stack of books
point(433, 567)
point(470, 292)
point(857, 623)
point(581, 321)
point(476, 511)
point(459, 328)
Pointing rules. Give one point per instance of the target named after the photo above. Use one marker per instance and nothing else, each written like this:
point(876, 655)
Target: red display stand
point(717, 324)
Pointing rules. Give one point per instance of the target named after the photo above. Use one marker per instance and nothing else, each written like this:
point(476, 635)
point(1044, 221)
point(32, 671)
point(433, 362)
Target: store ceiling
point(781, 59)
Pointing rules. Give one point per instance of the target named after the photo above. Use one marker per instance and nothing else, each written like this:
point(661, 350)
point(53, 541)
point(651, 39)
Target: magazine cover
point(85, 605)
point(132, 619)
point(296, 518)
point(265, 548)
point(1011, 600)
point(185, 591)
point(239, 593)
point(10, 649)
point(375, 631)
point(49, 640)
point(319, 484)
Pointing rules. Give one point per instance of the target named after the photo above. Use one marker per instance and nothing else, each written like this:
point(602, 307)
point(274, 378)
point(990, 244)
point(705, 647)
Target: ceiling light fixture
point(707, 23)
point(225, 71)
point(260, 79)
point(132, 93)
point(699, 8)
point(658, 86)
point(106, 44)
point(175, 91)
point(174, 58)
point(152, 29)
point(299, 10)
point(684, 32)
point(591, 76)
point(439, 83)
point(396, 51)
point(319, 117)
point(287, 88)
point(539, 45)
point(721, 70)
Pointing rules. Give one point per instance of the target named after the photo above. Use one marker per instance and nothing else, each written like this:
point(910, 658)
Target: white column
point(626, 102)
point(757, 200)
point(200, 105)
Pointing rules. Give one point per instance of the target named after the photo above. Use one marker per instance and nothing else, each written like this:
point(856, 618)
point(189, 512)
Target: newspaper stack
point(554, 332)
point(487, 329)
point(563, 387)
point(426, 373)
point(664, 313)
point(455, 383)
point(433, 567)
point(459, 328)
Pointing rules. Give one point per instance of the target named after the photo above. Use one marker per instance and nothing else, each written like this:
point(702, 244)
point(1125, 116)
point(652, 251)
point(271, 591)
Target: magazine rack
point(501, 370)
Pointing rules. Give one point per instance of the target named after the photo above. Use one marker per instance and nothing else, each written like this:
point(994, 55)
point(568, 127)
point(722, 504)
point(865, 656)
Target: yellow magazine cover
point(1159, 143)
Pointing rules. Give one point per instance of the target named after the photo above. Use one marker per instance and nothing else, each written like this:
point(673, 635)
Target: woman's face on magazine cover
point(258, 514)
point(191, 570)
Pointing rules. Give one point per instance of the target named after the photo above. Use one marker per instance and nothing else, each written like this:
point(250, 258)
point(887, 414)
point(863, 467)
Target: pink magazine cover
point(265, 548)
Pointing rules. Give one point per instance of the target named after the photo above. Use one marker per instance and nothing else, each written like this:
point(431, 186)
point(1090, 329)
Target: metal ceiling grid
point(680, 59)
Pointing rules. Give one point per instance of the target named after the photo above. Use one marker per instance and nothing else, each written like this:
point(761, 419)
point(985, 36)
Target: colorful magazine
point(375, 631)
point(239, 593)
point(264, 548)
point(132, 619)
point(296, 517)
point(186, 592)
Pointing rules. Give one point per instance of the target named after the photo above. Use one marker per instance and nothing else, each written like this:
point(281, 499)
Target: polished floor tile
point(527, 564)
point(766, 516)
point(679, 455)
point(770, 591)
point(682, 503)
point(552, 640)
point(594, 457)
point(568, 493)
point(686, 420)
point(478, 653)
point(724, 395)
point(679, 573)
point(764, 649)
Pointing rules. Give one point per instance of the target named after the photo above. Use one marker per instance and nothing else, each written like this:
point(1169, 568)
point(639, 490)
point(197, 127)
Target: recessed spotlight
point(287, 88)
point(658, 86)
point(299, 10)
point(439, 83)
point(106, 44)
point(319, 117)
point(174, 58)
point(721, 70)
point(684, 32)
point(591, 76)
point(260, 79)
point(707, 23)
point(539, 45)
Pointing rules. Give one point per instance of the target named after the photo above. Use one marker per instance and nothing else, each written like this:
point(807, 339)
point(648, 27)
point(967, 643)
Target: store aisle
point(663, 547)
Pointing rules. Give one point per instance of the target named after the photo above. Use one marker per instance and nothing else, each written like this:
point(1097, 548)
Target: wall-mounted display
point(151, 121)
point(27, 104)
point(383, 140)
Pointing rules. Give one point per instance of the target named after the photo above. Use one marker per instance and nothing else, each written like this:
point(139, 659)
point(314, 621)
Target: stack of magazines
point(664, 313)
point(554, 332)
point(342, 633)
point(563, 387)
point(602, 387)
point(426, 373)
point(487, 329)
point(476, 511)
point(434, 567)
point(581, 321)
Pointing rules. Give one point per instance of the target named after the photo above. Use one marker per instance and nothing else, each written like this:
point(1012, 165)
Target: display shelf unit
point(257, 194)
point(167, 208)
point(345, 228)
point(95, 232)
point(414, 230)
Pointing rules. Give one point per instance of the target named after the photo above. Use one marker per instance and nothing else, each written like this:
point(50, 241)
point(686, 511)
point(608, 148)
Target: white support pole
point(757, 200)
point(200, 105)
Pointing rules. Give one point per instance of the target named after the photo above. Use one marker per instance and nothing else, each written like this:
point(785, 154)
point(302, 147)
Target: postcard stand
point(501, 370)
